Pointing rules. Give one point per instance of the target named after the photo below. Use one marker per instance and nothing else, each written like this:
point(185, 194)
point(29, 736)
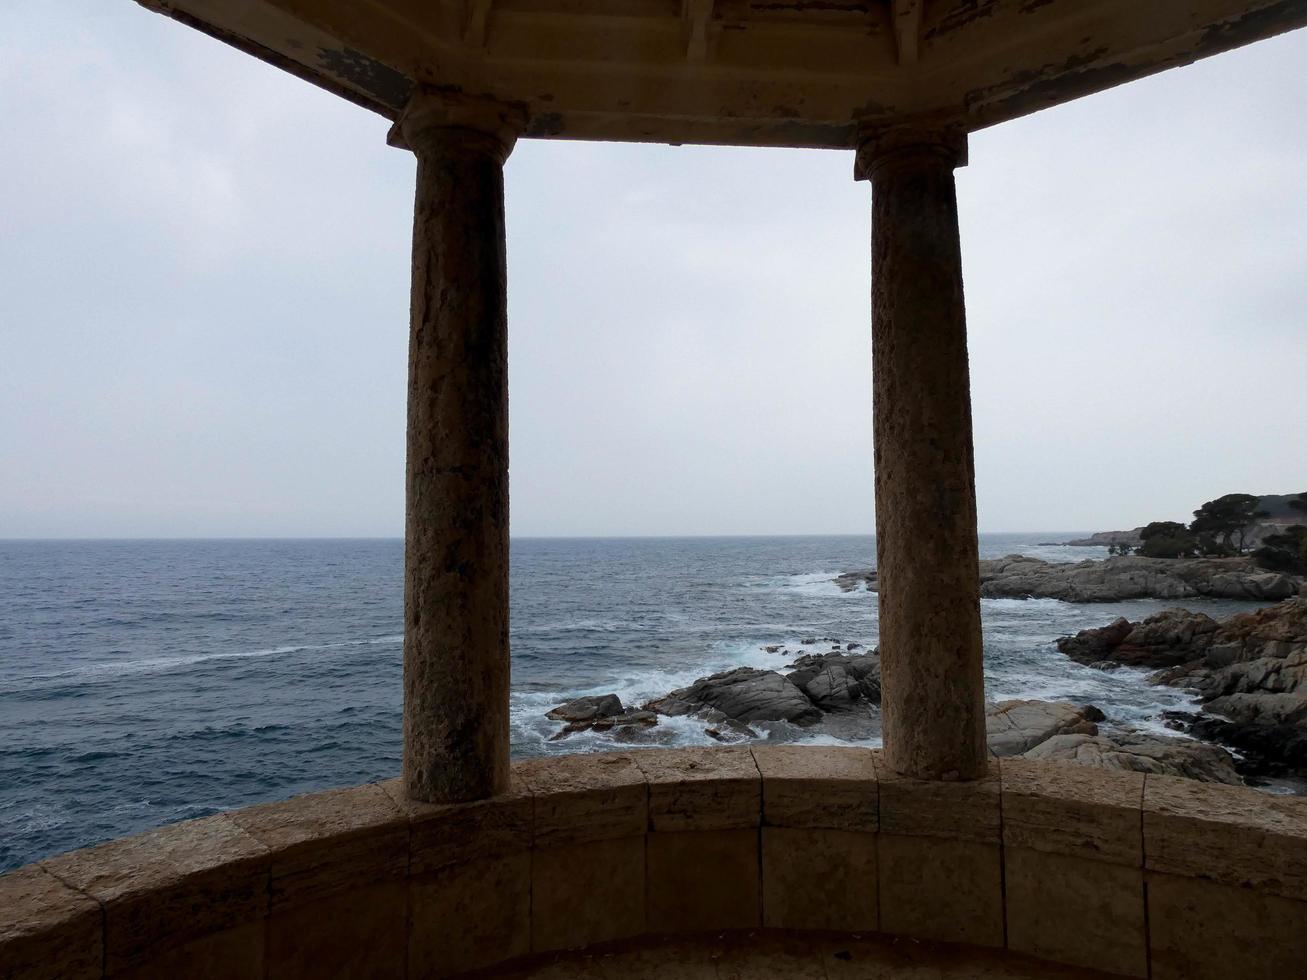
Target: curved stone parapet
point(1125, 873)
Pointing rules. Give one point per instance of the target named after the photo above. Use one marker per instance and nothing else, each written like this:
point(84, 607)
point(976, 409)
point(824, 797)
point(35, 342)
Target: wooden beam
point(696, 14)
point(907, 28)
point(474, 31)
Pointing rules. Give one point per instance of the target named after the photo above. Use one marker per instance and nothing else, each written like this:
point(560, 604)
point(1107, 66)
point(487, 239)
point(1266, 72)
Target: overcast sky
point(204, 289)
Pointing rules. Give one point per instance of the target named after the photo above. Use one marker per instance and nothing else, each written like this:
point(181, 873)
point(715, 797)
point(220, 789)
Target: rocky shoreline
point(1248, 670)
point(1118, 579)
point(821, 686)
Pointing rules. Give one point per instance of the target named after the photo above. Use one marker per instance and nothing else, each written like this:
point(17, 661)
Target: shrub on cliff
point(1168, 539)
point(1285, 552)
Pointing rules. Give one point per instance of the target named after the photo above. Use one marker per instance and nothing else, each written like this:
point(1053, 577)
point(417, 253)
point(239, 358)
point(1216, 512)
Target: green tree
point(1285, 552)
point(1167, 539)
point(1227, 520)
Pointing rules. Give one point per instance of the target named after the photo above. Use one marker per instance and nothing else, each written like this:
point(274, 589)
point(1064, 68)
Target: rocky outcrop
point(1250, 672)
point(597, 713)
point(1270, 730)
point(1166, 639)
point(1101, 539)
point(1014, 727)
point(743, 694)
point(834, 681)
point(1116, 579)
point(1141, 752)
point(820, 684)
point(587, 708)
point(806, 647)
point(1050, 730)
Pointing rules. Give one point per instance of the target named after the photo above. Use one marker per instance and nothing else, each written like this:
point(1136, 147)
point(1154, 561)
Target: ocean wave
point(589, 626)
point(1024, 605)
point(815, 584)
point(112, 669)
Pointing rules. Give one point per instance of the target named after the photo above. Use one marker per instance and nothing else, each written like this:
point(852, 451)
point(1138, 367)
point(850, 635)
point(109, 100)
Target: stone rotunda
point(926, 859)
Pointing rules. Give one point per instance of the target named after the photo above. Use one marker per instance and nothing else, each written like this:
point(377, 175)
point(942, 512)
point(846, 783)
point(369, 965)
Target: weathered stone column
point(456, 658)
point(926, 547)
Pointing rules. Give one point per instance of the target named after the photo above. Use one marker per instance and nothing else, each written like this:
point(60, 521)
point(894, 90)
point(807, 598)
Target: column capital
point(431, 112)
point(887, 146)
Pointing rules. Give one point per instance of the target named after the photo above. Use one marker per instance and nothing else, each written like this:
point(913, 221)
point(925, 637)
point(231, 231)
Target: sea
point(145, 682)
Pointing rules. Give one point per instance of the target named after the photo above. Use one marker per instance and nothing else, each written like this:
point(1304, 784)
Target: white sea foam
point(1024, 605)
point(109, 669)
point(816, 584)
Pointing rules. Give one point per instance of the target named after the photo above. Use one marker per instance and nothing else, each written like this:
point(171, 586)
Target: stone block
point(703, 880)
point(233, 954)
point(584, 894)
point(669, 959)
point(573, 966)
point(1231, 834)
point(48, 931)
point(1076, 910)
point(441, 835)
point(940, 888)
point(967, 810)
point(326, 843)
point(1202, 930)
point(581, 798)
point(361, 933)
point(702, 789)
point(470, 916)
point(818, 879)
point(811, 786)
point(164, 888)
point(768, 957)
point(1071, 809)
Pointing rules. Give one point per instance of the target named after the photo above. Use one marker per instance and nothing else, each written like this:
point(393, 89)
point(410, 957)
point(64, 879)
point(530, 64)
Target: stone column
point(456, 657)
point(926, 548)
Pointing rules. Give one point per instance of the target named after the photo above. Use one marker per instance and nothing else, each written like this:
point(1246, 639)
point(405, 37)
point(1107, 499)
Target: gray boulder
point(835, 681)
point(1116, 579)
point(587, 708)
point(1166, 639)
point(743, 694)
point(1014, 727)
point(602, 712)
point(1141, 752)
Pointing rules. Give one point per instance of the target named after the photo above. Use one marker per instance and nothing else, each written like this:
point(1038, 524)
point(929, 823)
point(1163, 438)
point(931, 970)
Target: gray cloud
point(203, 305)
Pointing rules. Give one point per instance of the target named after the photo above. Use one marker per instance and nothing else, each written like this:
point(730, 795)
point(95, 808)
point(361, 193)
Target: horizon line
point(512, 537)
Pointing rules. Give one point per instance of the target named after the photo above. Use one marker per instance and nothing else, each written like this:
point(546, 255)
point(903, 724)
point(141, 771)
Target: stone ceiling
point(739, 72)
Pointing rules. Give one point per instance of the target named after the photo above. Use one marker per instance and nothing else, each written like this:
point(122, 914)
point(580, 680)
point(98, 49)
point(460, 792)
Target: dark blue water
point(147, 682)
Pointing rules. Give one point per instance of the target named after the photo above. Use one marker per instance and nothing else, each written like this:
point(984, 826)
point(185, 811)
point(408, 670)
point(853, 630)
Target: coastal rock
point(856, 581)
point(1166, 639)
point(1250, 670)
point(1117, 579)
point(837, 680)
point(1014, 727)
point(743, 694)
point(1141, 752)
point(815, 685)
point(1269, 729)
point(587, 708)
point(1102, 539)
point(600, 713)
point(729, 731)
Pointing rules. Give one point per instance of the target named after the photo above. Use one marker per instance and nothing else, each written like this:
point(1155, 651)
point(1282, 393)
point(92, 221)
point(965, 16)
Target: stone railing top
point(110, 907)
